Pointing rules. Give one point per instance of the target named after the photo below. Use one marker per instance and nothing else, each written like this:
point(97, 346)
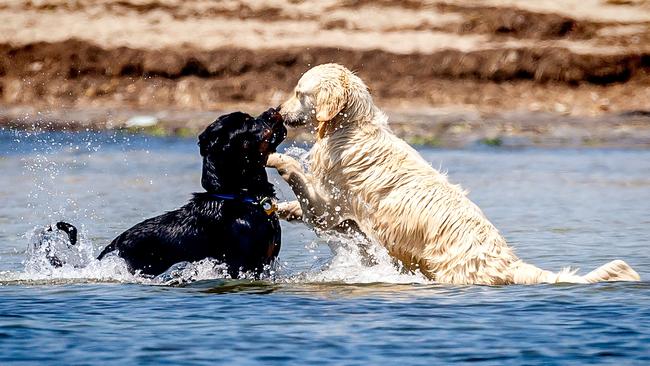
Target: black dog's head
point(235, 149)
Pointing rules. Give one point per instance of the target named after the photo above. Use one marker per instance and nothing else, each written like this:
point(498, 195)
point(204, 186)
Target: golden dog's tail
point(617, 270)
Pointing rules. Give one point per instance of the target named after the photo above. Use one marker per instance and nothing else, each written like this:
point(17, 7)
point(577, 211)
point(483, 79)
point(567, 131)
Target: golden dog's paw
point(274, 160)
point(290, 211)
point(284, 164)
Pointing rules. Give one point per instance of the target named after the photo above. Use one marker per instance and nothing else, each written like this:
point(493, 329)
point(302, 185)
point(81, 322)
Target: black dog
point(233, 221)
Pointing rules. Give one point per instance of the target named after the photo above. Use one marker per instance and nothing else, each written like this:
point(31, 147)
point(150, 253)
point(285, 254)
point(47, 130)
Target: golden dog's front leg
point(312, 206)
point(290, 211)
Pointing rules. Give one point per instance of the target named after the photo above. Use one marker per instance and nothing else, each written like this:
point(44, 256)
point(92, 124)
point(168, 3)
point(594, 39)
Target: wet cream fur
point(361, 171)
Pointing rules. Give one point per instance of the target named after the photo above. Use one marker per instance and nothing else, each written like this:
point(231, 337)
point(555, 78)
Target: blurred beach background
point(448, 73)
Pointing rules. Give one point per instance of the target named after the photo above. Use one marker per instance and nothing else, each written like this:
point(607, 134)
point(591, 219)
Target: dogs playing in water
point(360, 171)
point(233, 221)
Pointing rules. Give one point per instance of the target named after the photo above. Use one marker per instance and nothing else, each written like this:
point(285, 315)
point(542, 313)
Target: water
point(557, 207)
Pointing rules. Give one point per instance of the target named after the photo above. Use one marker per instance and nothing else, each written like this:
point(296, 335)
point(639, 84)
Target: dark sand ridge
point(77, 73)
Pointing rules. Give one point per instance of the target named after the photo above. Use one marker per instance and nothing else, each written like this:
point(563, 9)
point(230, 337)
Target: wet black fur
point(234, 149)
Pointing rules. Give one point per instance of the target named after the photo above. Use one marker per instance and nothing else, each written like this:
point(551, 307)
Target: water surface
point(323, 306)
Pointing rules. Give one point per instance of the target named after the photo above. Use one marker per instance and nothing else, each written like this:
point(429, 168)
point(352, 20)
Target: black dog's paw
point(55, 244)
point(183, 273)
point(178, 274)
point(68, 229)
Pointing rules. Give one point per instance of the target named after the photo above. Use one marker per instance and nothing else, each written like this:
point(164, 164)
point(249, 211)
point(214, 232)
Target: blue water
point(324, 305)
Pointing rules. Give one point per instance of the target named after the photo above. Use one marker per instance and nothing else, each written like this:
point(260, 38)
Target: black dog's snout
point(273, 116)
point(275, 131)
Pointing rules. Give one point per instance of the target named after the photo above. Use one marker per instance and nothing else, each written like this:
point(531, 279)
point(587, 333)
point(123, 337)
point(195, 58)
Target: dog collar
point(268, 204)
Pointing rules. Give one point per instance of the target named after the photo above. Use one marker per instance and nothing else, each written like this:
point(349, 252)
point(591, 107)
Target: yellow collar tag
point(269, 206)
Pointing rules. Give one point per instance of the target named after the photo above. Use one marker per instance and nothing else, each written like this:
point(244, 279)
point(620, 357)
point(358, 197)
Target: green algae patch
point(432, 141)
point(492, 141)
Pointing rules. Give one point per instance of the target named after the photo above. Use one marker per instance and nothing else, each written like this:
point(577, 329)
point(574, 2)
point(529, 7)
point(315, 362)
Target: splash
point(356, 259)
point(184, 273)
point(300, 154)
point(51, 259)
point(53, 155)
point(352, 259)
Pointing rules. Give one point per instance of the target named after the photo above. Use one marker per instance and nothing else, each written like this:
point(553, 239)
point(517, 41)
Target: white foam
point(79, 263)
point(358, 260)
point(300, 154)
point(353, 260)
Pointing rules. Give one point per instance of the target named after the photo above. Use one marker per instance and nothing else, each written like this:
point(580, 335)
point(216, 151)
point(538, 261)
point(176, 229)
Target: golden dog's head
point(327, 93)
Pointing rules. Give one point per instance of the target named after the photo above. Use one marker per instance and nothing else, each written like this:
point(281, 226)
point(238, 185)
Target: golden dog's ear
point(330, 101)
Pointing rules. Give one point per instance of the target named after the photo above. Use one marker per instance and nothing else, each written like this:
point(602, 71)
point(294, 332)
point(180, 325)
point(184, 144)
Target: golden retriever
point(360, 171)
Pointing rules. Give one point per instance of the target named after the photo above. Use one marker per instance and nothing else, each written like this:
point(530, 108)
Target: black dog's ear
point(221, 129)
point(207, 138)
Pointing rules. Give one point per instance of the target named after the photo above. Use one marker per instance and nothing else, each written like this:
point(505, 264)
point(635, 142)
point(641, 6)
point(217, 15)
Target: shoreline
point(434, 127)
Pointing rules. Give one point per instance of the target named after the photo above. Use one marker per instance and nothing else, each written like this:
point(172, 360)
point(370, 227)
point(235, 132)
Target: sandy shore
point(583, 63)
